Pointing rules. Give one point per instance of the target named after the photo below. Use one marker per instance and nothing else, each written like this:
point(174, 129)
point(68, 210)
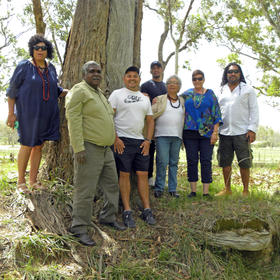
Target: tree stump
point(253, 235)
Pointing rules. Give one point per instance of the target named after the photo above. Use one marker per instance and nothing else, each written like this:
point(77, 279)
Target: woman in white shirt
point(168, 112)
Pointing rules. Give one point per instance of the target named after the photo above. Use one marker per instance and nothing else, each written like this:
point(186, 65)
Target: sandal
point(23, 189)
point(37, 186)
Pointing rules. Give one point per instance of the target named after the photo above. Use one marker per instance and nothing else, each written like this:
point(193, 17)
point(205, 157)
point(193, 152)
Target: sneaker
point(158, 194)
point(151, 182)
point(192, 194)
point(148, 217)
point(207, 195)
point(174, 194)
point(224, 192)
point(128, 219)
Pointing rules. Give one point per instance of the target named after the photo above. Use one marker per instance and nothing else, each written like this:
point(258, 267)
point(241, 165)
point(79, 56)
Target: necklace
point(175, 99)
point(46, 98)
point(197, 99)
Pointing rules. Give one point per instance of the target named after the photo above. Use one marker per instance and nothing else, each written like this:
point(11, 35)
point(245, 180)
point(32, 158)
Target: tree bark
point(38, 14)
point(108, 32)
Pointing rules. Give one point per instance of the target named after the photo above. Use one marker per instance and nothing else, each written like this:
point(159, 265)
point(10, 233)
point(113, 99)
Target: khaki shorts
point(238, 144)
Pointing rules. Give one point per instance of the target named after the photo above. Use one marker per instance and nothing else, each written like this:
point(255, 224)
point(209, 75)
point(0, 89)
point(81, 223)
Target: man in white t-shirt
point(132, 109)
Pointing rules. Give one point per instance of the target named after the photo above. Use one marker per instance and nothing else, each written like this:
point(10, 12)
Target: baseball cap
point(156, 63)
point(132, 69)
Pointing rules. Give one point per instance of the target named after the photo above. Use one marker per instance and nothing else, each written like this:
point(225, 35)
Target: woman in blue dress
point(33, 103)
point(200, 133)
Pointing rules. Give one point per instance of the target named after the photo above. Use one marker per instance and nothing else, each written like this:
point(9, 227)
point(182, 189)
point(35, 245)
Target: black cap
point(156, 63)
point(132, 69)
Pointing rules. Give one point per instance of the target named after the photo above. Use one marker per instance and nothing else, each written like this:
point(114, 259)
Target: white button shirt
point(239, 110)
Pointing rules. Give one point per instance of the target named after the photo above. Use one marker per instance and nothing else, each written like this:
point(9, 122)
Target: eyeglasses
point(172, 83)
point(233, 71)
point(197, 79)
point(37, 48)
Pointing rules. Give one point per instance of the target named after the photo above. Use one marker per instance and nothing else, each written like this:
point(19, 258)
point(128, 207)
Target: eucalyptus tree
point(252, 28)
point(108, 32)
point(185, 23)
point(52, 18)
point(8, 39)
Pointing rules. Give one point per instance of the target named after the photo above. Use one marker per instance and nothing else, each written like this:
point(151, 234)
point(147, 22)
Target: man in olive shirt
point(92, 132)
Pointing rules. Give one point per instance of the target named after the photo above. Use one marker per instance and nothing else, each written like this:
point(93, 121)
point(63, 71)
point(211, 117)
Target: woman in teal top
point(202, 119)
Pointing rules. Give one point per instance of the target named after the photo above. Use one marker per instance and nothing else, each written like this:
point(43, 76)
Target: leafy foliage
point(184, 23)
point(58, 18)
point(252, 28)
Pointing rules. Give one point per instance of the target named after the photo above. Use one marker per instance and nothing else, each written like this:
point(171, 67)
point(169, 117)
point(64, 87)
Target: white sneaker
point(151, 182)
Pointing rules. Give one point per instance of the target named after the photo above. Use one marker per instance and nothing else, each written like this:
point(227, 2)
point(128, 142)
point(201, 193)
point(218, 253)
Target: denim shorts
point(131, 158)
point(238, 144)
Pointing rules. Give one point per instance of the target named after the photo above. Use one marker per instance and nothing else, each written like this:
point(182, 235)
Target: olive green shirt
point(90, 117)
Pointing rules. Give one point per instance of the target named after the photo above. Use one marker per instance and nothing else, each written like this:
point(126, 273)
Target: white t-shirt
point(132, 107)
point(170, 122)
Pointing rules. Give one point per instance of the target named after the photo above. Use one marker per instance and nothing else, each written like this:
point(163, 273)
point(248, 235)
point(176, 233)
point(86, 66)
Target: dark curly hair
point(38, 38)
point(225, 80)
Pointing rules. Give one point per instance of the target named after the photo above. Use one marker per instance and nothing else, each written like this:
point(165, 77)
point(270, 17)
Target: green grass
point(176, 248)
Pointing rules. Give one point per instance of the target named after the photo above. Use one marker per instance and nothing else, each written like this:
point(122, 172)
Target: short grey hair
point(86, 65)
point(177, 78)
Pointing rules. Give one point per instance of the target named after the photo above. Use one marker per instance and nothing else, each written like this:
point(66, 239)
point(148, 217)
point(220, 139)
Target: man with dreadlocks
point(240, 115)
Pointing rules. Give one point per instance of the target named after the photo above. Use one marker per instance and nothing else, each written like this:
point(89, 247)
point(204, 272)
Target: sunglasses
point(197, 79)
point(37, 48)
point(233, 71)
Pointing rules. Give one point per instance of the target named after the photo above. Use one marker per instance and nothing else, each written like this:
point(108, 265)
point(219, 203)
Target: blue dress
point(38, 118)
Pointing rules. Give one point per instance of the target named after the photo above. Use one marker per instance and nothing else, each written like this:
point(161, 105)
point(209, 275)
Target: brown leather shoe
point(224, 192)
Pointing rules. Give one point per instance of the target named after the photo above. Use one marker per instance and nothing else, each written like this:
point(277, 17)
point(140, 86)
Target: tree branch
point(161, 43)
point(185, 19)
point(232, 48)
point(268, 17)
point(38, 14)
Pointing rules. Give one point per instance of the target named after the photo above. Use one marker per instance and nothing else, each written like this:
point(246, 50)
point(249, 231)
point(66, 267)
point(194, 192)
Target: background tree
point(109, 33)
point(38, 13)
point(252, 28)
point(8, 40)
point(184, 23)
point(52, 18)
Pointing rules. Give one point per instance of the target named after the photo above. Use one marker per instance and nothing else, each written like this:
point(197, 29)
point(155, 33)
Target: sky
point(204, 59)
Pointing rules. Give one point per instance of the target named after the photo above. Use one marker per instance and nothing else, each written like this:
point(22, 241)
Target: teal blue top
point(202, 112)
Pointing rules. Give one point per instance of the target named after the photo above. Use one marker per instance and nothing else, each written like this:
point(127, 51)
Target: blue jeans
point(167, 153)
point(199, 149)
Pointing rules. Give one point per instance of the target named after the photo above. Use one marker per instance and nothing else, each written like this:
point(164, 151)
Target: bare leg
point(124, 182)
point(23, 157)
point(35, 159)
point(227, 180)
point(143, 187)
point(206, 188)
point(193, 186)
point(245, 175)
point(227, 177)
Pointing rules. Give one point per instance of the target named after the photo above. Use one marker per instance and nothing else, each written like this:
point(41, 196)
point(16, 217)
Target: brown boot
point(224, 192)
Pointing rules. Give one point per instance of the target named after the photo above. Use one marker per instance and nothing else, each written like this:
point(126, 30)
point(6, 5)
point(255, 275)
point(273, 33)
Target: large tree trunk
point(108, 32)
